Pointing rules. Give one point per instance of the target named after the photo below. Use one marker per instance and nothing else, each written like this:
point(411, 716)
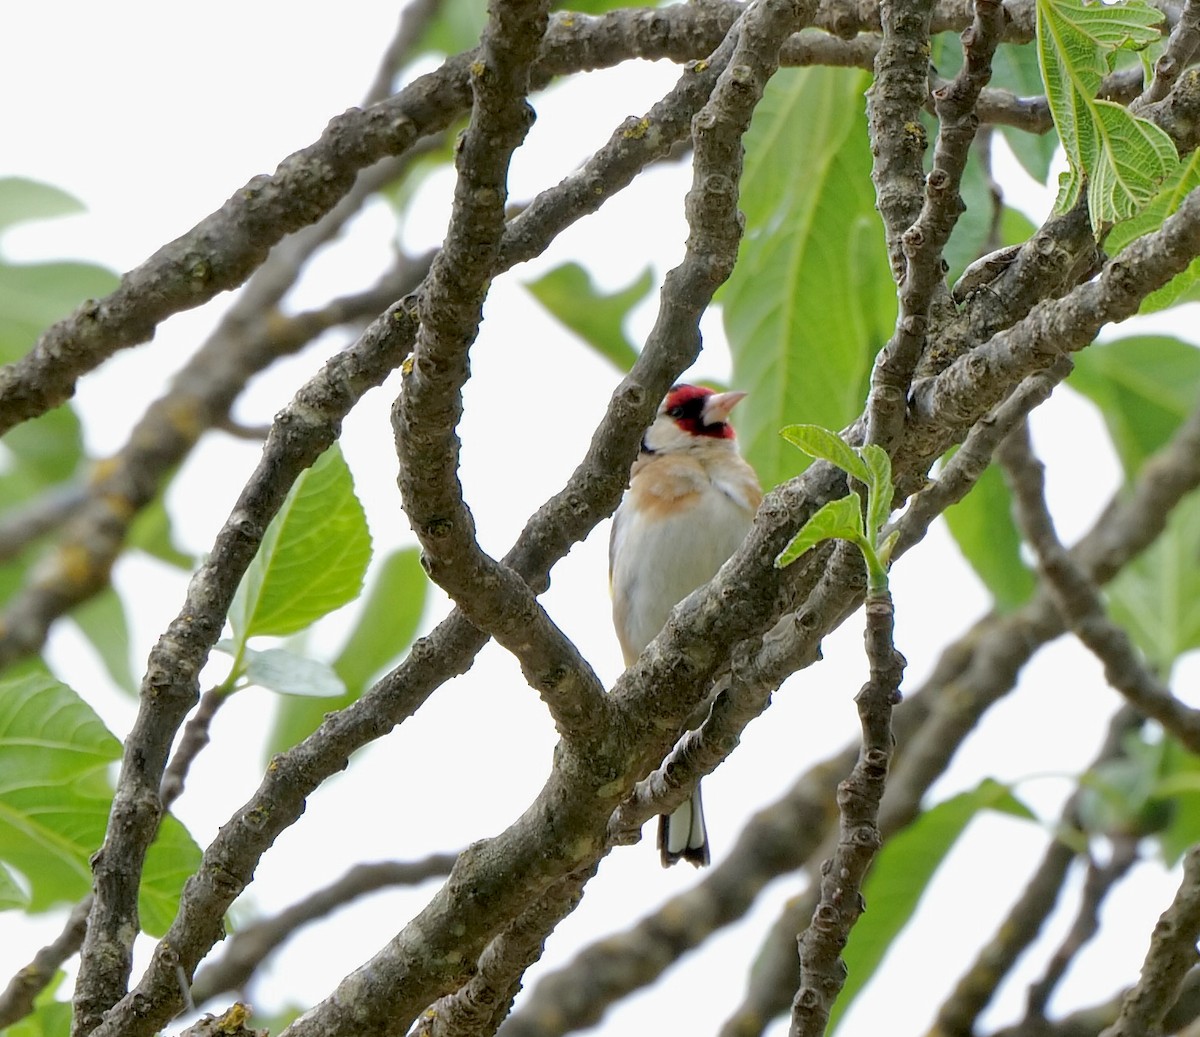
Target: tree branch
point(959, 1014)
point(250, 946)
point(1079, 601)
point(1171, 956)
point(922, 282)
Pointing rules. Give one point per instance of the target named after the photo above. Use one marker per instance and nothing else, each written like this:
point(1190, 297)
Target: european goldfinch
point(689, 505)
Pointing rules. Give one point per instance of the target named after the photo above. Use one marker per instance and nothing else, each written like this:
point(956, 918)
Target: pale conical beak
point(717, 407)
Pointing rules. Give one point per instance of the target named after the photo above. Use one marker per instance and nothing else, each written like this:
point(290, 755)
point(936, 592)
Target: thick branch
point(922, 281)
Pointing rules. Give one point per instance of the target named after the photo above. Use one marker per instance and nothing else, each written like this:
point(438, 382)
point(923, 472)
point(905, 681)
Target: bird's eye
point(675, 412)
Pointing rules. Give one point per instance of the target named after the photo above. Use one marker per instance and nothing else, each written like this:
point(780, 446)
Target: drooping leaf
point(902, 872)
point(313, 556)
point(385, 629)
point(283, 671)
point(982, 526)
point(839, 519)
point(1122, 159)
point(1144, 386)
point(811, 299)
point(596, 317)
point(55, 798)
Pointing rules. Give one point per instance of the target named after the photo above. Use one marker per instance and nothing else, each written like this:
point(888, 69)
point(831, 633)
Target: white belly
point(658, 562)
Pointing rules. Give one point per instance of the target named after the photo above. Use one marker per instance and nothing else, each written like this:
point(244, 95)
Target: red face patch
point(685, 405)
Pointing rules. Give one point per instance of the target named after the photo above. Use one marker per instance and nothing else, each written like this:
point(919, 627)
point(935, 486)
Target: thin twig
point(822, 971)
point(1079, 600)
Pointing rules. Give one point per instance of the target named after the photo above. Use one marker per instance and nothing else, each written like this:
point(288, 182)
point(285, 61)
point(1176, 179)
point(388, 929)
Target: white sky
point(153, 114)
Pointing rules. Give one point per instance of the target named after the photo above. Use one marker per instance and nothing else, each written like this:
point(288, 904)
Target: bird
point(689, 505)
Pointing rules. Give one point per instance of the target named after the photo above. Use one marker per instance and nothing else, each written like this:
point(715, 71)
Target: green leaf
point(839, 519)
point(12, 896)
point(1144, 386)
point(982, 526)
point(172, 859)
point(972, 236)
point(24, 201)
point(54, 795)
point(457, 27)
point(313, 556)
point(102, 621)
point(1122, 159)
point(389, 620)
point(1156, 597)
point(811, 299)
point(879, 500)
point(50, 447)
point(33, 296)
point(151, 531)
point(1184, 286)
point(828, 446)
point(900, 875)
point(1179, 785)
point(1123, 795)
point(277, 669)
point(385, 630)
point(1015, 68)
point(568, 293)
point(50, 1017)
